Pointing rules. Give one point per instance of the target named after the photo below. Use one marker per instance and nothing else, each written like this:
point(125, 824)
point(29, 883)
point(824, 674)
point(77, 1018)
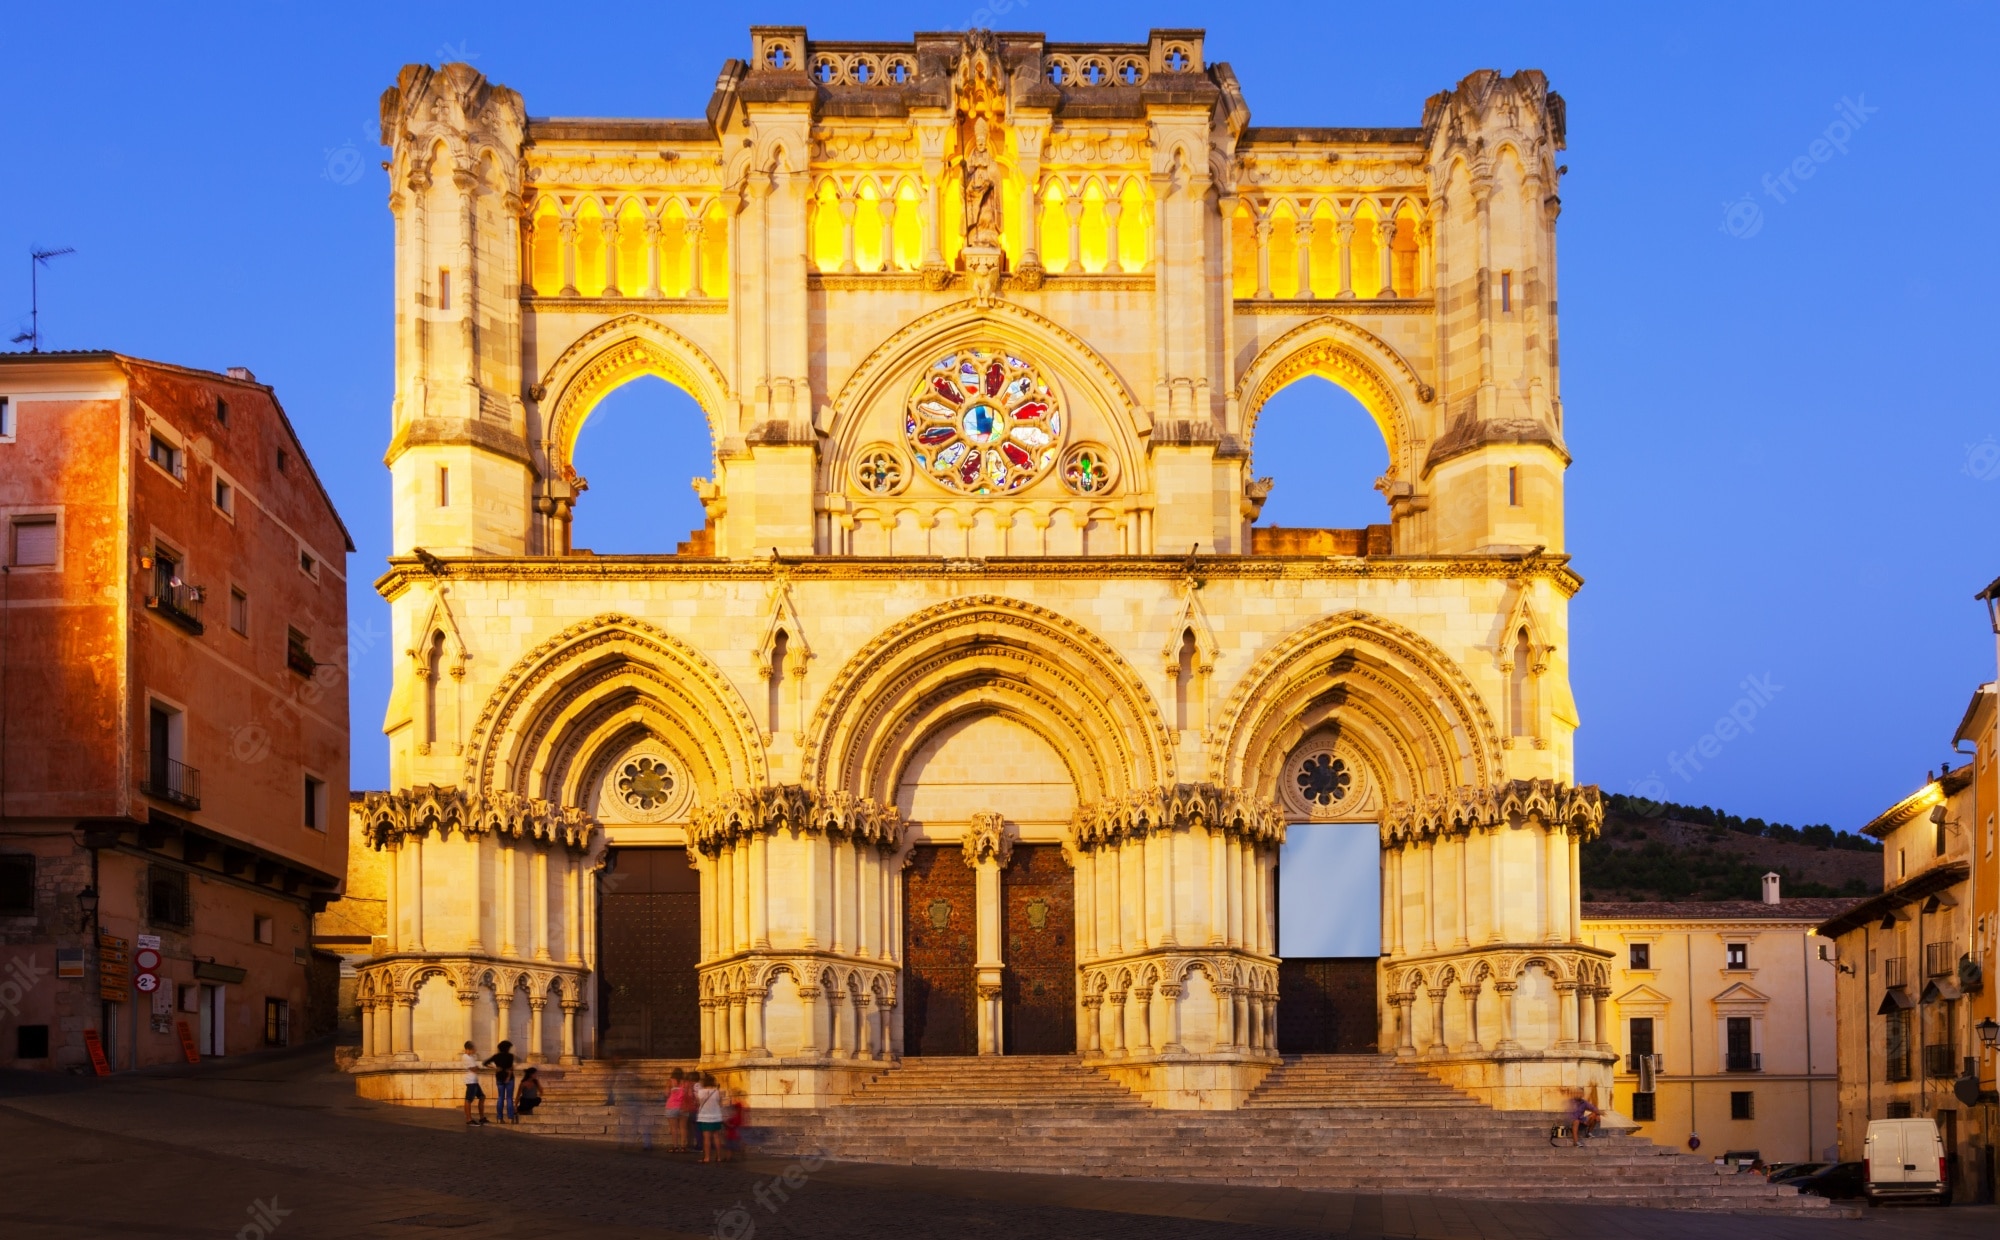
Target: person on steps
point(469, 1060)
point(1583, 1119)
point(529, 1095)
point(502, 1063)
point(708, 1117)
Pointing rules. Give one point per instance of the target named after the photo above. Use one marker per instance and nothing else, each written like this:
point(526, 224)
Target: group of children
point(699, 1108)
point(511, 1101)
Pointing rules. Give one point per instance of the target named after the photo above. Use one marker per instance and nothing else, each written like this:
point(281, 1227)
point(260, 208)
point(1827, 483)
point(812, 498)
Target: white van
point(1905, 1158)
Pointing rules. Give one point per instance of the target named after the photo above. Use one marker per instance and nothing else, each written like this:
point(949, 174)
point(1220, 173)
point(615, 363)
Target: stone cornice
point(737, 815)
point(391, 816)
point(1510, 803)
point(1351, 307)
point(406, 571)
point(1176, 807)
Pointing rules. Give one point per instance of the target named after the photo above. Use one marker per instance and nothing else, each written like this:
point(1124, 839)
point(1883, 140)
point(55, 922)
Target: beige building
point(974, 719)
point(1735, 1005)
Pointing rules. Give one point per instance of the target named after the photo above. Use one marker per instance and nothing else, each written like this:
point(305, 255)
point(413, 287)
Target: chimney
point(1770, 889)
point(243, 373)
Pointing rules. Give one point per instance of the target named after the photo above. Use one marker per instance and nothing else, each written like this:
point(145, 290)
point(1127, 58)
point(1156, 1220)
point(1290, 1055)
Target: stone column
point(1575, 900)
point(1504, 991)
point(1093, 1017)
point(1600, 1029)
point(1392, 935)
point(1263, 227)
point(809, 997)
point(989, 965)
point(1073, 209)
point(392, 908)
point(608, 229)
point(1118, 1024)
point(750, 1033)
point(1469, 994)
point(692, 231)
point(540, 878)
point(1385, 232)
point(1113, 209)
point(466, 998)
point(1586, 1016)
point(503, 1005)
point(570, 1007)
point(1243, 996)
point(567, 227)
point(1568, 1004)
point(1460, 845)
point(416, 895)
point(1430, 895)
point(1218, 894)
point(1406, 1025)
point(1259, 1029)
point(847, 208)
point(1346, 230)
point(737, 1022)
point(537, 1031)
point(508, 886)
point(368, 1029)
point(1144, 995)
point(653, 233)
point(1496, 910)
point(1437, 1044)
point(1170, 994)
point(1165, 842)
point(759, 855)
point(1225, 1012)
point(1553, 915)
point(573, 908)
point(403, 1039)
point(885, 215)
point(1302, 242)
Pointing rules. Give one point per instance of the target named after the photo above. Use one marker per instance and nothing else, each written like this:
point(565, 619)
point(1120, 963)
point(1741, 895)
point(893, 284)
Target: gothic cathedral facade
point(974, 719)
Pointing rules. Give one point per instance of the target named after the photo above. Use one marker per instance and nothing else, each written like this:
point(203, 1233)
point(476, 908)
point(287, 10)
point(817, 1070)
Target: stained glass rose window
point(982, 421)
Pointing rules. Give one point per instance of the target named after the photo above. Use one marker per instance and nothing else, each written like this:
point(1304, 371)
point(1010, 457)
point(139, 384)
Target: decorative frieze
point(1556, 805)
point(439, 809)
point(1175, 807)
point(745, 812)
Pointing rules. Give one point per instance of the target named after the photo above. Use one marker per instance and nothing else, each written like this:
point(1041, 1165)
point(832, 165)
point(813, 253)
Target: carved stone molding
point(988, 836)
point(389, 817)
point(745, 812)
point(1175, 807)
point(1551, 803)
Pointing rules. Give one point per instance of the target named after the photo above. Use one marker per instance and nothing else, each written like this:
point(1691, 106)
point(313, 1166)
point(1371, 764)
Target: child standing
point(677, 1121)
point(473, 1093)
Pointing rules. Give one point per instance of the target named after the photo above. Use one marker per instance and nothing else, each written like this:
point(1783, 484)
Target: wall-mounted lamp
point(86, 900)
point(1989, 1033)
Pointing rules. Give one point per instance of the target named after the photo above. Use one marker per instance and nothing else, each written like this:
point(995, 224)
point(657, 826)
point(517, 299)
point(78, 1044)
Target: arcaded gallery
point(980, 717)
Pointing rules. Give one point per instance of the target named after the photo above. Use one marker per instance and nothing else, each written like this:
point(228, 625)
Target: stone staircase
point(1332, 1123)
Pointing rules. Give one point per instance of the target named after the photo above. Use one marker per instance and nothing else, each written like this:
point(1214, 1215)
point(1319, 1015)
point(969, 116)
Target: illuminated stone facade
point(982, 326)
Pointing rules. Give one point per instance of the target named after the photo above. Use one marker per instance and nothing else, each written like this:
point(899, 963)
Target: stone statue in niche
point(982, 192)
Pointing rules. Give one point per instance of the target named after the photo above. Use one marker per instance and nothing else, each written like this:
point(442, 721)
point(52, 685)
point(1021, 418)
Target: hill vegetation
point(1658, 850)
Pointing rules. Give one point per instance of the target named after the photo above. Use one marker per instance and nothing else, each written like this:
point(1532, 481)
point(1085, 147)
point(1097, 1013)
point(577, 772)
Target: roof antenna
point(37, 259)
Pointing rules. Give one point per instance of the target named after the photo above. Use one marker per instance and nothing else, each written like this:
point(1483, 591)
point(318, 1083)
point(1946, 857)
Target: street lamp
point(1989, 1033)
point(87, 901)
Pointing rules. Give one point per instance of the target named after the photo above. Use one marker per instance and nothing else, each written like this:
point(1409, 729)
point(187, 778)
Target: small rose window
point(645, 783)
point(983, 422)
point(1324, 779)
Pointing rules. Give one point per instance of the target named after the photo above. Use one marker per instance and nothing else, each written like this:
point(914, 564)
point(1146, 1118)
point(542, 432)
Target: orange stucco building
point(173, 712)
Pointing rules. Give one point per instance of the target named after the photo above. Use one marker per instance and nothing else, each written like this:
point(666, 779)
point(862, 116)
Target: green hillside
point(1654, 850)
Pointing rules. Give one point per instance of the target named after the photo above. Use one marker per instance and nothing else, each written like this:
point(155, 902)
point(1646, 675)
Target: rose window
point(983, 422)
point(645, 783)
point(1324, 779)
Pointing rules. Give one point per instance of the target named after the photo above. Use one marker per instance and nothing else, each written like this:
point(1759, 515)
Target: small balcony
point(177, 601)
point(172, 781)
point(1743, 1061)
point(1940, 1061)
point(1893, 971)
point(1940, 959)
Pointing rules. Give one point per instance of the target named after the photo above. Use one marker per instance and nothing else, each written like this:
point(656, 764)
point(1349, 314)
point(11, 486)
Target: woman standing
point(708, 1117)
point(677, 1111)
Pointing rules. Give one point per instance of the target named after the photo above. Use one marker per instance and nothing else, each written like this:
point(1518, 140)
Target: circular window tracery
point(647, 784)
point(982, 421)
point(1088, 469)
point(1324, 779)
point(880, 470)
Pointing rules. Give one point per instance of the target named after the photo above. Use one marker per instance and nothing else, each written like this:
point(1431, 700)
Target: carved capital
point(987, 836)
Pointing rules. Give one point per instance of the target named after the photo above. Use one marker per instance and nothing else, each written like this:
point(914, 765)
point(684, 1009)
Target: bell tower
point(1495, 469)
point(460, 458)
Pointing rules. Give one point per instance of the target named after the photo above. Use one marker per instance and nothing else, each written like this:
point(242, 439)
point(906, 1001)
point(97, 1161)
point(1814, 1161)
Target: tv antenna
point(37, 259)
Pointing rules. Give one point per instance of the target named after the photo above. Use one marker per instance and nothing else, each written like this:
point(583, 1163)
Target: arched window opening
point(433, 670)
point(1284, 244)
point(1243, 252)
point(1056, 249)
point(638, 450)
point(776, 687)
point(545, 250)
point(1184, 682)
point(634, 252)
point(589, 274)
point(1364, 253)
point(1323, 453)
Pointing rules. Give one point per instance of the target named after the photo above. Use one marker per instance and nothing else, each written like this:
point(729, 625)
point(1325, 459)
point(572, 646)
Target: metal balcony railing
point(1893, 972)
point(1743, 1061)
point(1940, 959)
point(170, 780)
point(177, 601)
point(1940, 1063)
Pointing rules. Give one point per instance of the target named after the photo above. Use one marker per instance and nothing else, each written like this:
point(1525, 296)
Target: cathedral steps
point(1360, 1123)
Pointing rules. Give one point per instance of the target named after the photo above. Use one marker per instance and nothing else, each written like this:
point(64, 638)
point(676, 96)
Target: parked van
point(1905, 1158)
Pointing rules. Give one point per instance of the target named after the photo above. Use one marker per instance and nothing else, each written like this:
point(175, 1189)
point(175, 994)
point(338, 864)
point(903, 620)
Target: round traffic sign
point(146, 958)
point(146, 983)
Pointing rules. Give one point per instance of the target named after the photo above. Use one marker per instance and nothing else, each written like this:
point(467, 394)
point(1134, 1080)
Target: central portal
point(940, 949)
point(1038, 942)
point(648, 993)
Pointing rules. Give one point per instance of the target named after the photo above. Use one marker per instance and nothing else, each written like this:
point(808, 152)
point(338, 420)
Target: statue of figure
point(982, 192)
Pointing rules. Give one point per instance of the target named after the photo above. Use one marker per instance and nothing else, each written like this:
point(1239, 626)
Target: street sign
point(114, 968)
point(145, 941)
point(146, 983)
point(146, 959)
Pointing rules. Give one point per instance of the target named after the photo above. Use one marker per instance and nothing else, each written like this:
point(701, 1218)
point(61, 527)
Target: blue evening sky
point(1787, 445)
